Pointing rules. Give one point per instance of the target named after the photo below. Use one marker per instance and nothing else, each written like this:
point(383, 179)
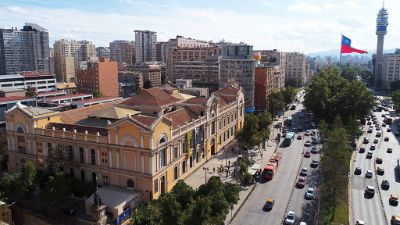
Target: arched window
point(130, 184)
point(83, 179)
point(20, 130)
point(162, 139)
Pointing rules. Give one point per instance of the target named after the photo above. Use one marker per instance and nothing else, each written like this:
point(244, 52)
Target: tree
point(57, 188)
point(147, 84)
point(183, 193)
point(289, 94)
point(200, 212)
point(250, 135)
point(232, 193)
point(27, 181)
point(30, 92)
point(9, 186)
point(171, 210)
point(396, 99)
point(97, 94)
point(147, 214)
point(276, 102)
point(350, 73)
point(395, 85)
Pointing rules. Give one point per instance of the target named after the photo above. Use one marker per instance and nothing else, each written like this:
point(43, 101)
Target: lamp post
point(205, 174)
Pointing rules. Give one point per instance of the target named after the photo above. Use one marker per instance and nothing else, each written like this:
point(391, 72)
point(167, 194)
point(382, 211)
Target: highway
point(281, 187)
point(371, 210)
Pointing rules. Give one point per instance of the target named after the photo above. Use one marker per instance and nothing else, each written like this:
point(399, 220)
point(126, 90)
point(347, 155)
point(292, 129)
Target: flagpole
point(340, 49)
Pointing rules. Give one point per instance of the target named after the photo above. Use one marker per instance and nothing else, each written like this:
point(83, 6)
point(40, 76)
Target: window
point(21, 140)
point(184, 150)
point(175, 152)
point(94, 177)
point(183, 167)
point(70, 152)
point(213, 127)
point(176, 172)
point(162, 158)
point(129, 184)
point(93, 156)
point(156, 185)
point(81, 155)
point(83, 179)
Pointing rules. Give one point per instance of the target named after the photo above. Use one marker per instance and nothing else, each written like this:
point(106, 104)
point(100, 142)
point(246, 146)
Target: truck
point(272, 166)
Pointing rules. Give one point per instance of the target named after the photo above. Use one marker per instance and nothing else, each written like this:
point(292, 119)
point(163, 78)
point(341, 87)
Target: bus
point(288, 121)
point(288, 139)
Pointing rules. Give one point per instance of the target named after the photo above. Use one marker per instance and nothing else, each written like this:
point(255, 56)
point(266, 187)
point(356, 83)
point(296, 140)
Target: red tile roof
point(227, 91)
point(145, 120)
point(180, 117)
point(152, 97)
point(13, 98)
point(76, 115)
point(197, 100)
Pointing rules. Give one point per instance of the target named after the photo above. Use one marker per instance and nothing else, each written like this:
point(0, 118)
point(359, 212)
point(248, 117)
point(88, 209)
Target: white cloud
point(304, 7)
point(17, 9)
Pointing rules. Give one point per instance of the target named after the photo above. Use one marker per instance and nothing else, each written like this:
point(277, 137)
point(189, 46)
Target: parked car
point(369, 155)
point(389, 150)
point(360, 222)
point(301, 182)
point(369, 192)
point(357, 171)
point(304, 172)
point(395, 220)
point(307, 155)
point(376, 141)
point(314, 150)
point(308, 143)
point(299, 137)
point(397, 133)
point(389, 130)
point(362, 150)
point(380, 171)
point(314, 163)
point(269, 204)
point(386, 139)
point(366, 140)
point(385, 185)
point(378, 160)
point(309, 193)
point(290, 218)
point(372, 147)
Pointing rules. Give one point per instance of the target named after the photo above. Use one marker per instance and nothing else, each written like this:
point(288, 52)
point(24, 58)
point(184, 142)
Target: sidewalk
point(260, 156)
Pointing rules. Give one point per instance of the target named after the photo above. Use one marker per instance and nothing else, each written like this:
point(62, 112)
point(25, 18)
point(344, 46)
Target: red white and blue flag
point(346, 46)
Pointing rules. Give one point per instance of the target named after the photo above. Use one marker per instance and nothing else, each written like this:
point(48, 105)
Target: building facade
point(67, 56)
point(24, 50)
point(103, 52)
point(236, 67)
point(145, 143)
point(130, 83)
point(123, 51)
point(151, 73)
point(390, 68)
point(267, 80)
point(296, 69)
point(42, 82)
point(144, 41)
point(275, 58)
point(98, 76)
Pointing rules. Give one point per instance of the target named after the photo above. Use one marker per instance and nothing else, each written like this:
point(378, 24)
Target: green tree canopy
point(276, 102)
point(396, 99)
point(289, 94)
point(30, 92)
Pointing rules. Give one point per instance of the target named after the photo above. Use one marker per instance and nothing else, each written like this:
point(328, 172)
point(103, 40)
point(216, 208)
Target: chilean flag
point(346, 46)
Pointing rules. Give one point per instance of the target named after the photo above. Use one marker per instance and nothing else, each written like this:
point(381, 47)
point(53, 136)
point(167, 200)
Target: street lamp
point(205, 174)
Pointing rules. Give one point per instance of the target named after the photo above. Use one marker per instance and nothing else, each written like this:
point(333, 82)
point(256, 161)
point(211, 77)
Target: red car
point(301, 182)
point(307, 154)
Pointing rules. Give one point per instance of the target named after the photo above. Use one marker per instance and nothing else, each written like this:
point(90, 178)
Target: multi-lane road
point(376, 210)
point(282, 186)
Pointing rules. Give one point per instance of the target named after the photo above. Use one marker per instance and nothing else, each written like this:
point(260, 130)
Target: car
point(378, 128)
point(369, 155)
point(362, 150)
point(386, 139)
point(395, 220)
point(308, 143)
point(394, 199)
point(301, 182)
point(307, 155)
point(357, 171)
point(375, 122)
point(372, 147)
point(385, 185)
point(397, 133)
point(304, 172)
point(378, 134)
point(378, 160)
point(269, 204)
point(389, 130)
point(307, 133)
point(389, 150)
point(368, 174)
point(369, 192)
point(299, 137)
point(380, 171)
point(290, 218)
point(309, 193)
point(303, 223)
point(383, 124)
point(376, 141)
point(360, 222)
point(366, 141)
point(314, 141)
point(370, 130)
point(314, 150)
point(369, 123)
point(383, 115)
point(314, 163)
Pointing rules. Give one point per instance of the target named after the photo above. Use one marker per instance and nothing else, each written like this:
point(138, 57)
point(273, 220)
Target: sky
point(288, 25)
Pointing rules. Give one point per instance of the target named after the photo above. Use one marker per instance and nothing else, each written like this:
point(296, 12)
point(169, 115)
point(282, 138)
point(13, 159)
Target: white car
point(310, 193)
point(303, 223)
point(360, 222)
point(290, 218)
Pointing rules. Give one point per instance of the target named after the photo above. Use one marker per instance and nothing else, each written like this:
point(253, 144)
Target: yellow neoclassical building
point(144, 143)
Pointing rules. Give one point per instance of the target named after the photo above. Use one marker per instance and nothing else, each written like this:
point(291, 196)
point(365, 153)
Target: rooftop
point(91, 100)
point(67, 97)
point(75, 115)
point(113, 112)
point(151, 97)
point(180, 117)
point(14, 98)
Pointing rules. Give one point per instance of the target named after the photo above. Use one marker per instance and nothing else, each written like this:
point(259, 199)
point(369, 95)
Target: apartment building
point(98, 76)
point(24, 50)
point(296, 69)
point(41, 81)
point(103, 52)
point(151, 72)
point(275, 58)
point(144, 41)
point(390, 68)
point(159, 52)
point(236, 67)
point(145, 143)
point(267, 79)
point(67, 56)
point(123, 51)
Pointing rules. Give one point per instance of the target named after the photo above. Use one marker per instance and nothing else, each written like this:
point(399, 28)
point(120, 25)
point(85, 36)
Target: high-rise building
point(24, 50)
point(68, 54)
point(123, 51)
point(144, 41)
point(390, 68)
point(103, 52)
point(381, 30)
point(236, 68)
point(275, 58)
point(98, 76)
point(158, 51)
point(296, 69)
point(267, 78)
point(151, 73)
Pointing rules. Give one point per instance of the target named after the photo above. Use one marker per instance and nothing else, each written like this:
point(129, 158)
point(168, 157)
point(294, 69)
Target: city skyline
point(288, 25)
